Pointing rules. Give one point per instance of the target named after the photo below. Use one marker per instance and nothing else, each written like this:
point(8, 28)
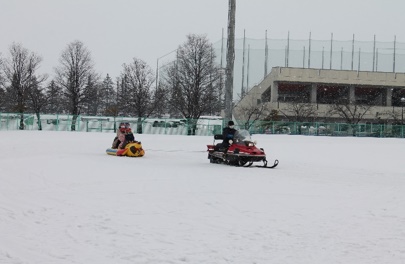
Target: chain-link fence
point(203, 127)
point(254, 58)
point(172, 126)
point(327, 129)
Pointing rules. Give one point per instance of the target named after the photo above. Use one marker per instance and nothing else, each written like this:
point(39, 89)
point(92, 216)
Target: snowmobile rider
point(228, 133)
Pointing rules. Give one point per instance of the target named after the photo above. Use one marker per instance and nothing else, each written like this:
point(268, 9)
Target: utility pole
point(266, 55)
point(242, 91)
point(230, 58)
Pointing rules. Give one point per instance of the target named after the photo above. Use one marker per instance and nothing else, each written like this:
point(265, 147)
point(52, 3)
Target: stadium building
point(321, 74)
point(381, 93)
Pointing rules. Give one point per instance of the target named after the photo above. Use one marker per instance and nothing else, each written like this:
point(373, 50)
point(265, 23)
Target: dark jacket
point(129, 137)
point(227, 134)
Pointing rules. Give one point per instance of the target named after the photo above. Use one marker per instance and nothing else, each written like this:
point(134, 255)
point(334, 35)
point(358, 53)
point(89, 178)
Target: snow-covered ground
point(330, 200)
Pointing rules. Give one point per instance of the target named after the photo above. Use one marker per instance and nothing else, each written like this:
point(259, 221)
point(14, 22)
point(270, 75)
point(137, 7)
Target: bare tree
point(250, 113)
point(139, 97)
point(2, 99)
point(352, 114)
point(20, 76)
point(193, 80)
point(2, 91)
point(299, 112)
point(92, 98)
point(39, 99)
point(395, 117)
point(160, 101)
point(54, 94)
point(268, 121)
point(72, 75)
point(1, 73)
point(107, 96)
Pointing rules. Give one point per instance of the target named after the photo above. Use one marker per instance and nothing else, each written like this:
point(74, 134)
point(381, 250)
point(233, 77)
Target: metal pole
point(323, 56)
point(402, 104)
point(374, 53)
point(222, 47)
point(393, 66)
point(303, 59)
point(221, 81)
point(288, 47)
point(341, 59)
point(285, 56)
point(352, 51)
point(242, 90)
point(157, 66)
point(248, 64)
point(230, 59)
point(376, 60)
point(331, 47)
point(266, 54)
point(309, 51)
point(358, 66)
point(157, 72)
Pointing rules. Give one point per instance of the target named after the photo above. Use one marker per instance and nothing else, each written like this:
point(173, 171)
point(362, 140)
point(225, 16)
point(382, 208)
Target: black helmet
point(230, 123)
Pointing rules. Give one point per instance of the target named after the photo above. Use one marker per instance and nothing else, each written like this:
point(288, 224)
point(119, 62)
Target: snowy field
point(330, 200)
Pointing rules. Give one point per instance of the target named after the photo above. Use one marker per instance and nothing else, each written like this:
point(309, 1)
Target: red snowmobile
point(242, 152)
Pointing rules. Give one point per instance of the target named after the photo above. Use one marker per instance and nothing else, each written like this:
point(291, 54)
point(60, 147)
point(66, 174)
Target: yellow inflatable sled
point(133, 149)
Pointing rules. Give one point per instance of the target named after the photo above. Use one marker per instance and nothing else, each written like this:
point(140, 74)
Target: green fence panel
point(205, 126)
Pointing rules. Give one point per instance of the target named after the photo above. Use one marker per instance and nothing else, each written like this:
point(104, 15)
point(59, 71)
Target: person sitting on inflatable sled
point(124, 136)
point(125, 142)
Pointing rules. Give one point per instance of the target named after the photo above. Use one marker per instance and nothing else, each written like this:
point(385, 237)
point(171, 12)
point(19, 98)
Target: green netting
point(203, 127)
point(326, 129)
point(302, 53)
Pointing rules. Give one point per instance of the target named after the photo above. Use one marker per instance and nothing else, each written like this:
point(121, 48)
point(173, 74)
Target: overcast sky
point(115, 31)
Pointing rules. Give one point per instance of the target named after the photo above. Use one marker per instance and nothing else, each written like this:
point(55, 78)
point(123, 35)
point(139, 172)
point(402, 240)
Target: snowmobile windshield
point(242, 135)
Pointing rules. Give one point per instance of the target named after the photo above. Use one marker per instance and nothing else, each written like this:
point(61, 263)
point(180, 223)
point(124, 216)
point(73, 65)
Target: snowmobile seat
point(218, 136)
point(219, 147)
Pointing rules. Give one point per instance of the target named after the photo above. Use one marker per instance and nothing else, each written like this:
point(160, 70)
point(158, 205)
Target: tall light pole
point(157, 65)
point(230, 58)
point(402, 104)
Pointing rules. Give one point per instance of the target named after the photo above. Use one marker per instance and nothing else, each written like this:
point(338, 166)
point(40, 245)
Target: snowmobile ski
point(268, 167)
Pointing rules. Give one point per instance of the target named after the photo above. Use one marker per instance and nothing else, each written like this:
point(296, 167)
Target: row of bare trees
point(20, 85)
point(190, 86)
